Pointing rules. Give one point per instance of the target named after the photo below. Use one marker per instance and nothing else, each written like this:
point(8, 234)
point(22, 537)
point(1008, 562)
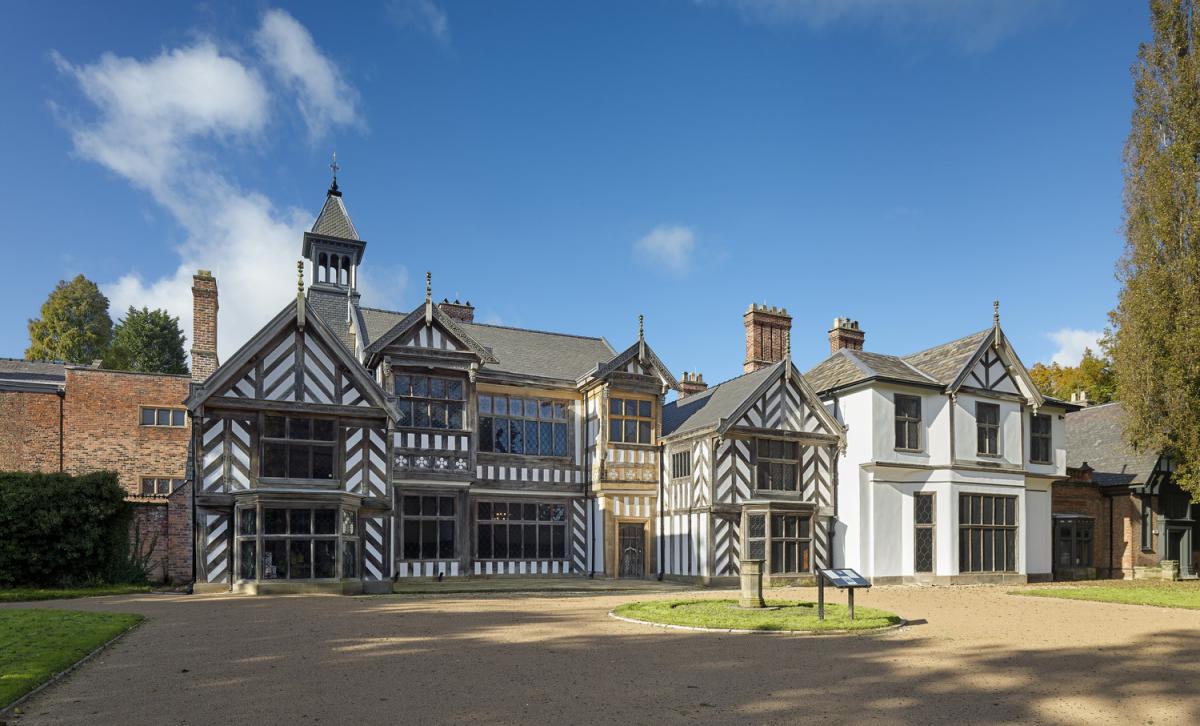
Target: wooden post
point(820, 596)
point(851, 596)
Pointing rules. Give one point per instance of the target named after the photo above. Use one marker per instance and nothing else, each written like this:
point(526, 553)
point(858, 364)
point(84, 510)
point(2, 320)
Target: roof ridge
point(715, 386)
point(534, 330)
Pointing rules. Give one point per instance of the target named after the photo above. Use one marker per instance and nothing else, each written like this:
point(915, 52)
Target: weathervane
point(333, 167)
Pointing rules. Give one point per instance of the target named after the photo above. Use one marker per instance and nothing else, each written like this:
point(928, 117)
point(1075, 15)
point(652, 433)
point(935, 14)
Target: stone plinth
point(751, 596)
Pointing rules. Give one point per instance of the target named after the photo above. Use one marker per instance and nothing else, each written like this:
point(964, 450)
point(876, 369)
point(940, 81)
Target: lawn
point(1160, 593)
point(36, 644)
point(24, 594)
point(725, 614)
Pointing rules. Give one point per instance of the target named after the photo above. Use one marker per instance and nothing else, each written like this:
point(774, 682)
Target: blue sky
point(567, 166)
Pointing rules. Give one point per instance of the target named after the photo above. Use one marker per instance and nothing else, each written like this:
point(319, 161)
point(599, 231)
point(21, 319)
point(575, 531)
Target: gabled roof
point(847, 367)
point(706, 409)
point(639, 351)
point(334, 220)
point(539, 353)
point(943, 362)
point(1095, 435)
point(313, 324)
point(425, 313)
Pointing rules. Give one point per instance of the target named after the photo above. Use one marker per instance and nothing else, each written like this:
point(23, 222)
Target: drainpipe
point(62, 396)
point(658, 525)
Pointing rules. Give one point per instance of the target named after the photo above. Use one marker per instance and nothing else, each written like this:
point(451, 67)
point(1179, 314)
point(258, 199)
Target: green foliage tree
point(147, 341)
point(1094, 375)
point(74, 327)
point(1156, 351)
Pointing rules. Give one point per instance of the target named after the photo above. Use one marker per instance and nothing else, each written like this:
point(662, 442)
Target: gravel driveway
point(973, 654)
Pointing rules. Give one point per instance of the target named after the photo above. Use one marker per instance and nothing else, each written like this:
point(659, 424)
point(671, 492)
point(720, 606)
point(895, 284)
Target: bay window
point(527, 426)
point(987, 534)
point(295, 543)
point(783, 539)
point(630, 421)
point(430, 402)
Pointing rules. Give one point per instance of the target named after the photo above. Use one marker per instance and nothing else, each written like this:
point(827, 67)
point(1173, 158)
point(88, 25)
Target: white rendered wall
point(852, 529)
point(1037, 526)
point(1010, 441)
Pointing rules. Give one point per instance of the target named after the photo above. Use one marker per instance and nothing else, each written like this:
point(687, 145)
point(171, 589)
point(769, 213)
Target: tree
point(1156, 351)
point(1094, 375)
point(74, 327)
point(147, 341)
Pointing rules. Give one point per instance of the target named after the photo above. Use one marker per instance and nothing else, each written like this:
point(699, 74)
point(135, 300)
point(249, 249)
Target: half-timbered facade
point(951, 454)
point(750, 471)
point(345, 446)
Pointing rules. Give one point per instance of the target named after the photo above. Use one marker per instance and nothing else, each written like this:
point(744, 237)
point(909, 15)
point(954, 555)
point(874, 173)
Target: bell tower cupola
point(333, 246)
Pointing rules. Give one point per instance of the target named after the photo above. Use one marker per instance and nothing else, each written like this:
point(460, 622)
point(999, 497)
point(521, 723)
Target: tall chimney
point(691, 383)
point(845, 334)
point(768, 332)
point(204, 325)
point(462, 312)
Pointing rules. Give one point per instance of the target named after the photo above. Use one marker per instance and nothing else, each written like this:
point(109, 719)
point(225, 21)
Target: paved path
point(976, 655)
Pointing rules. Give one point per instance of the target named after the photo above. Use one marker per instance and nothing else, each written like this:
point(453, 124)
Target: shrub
point(59, 530)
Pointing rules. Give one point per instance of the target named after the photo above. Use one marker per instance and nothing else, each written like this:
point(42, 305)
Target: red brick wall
point(179, 535)
point(103, 431)
point(150, 524)
point(1126, 523)
point(1086, 499)
point(28, 431)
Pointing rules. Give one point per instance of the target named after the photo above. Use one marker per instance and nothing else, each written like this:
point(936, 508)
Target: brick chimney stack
point(845, 334)
point(462, 312)
point(204, 325)
point(768, 332)
point(691, 383)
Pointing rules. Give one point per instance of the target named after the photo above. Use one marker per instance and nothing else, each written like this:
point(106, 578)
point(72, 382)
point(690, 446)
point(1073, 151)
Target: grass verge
point(36, 644)
point(725, 614)
point(1163, 594)
point(25, 594)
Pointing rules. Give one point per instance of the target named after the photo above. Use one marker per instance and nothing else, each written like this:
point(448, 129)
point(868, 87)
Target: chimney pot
point(462, 312)
point(691, 384)
point(845, 334)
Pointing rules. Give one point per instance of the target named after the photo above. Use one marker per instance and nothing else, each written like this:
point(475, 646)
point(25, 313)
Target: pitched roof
point(334, 220)
point(1094, 435)
point(934, 366)
point(34, 371)
point(378, 322)
point(538, 353)
point(332, 307)
point(943, 362)
point(705, 409)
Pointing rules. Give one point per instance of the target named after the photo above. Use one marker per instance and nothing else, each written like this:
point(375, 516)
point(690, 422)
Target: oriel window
point(630, 421)
point(430, 401)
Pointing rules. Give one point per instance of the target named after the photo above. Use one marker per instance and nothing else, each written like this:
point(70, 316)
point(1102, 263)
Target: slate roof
point(334, 220)
point(538, 353)
point(1094, 435)
point(379, 321)
point(934, 366)
point(31, 371)
point(331, 306)
point(703, 410)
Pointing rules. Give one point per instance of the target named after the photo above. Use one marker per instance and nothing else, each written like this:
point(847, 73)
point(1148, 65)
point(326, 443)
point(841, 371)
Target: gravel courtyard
point(972, 654)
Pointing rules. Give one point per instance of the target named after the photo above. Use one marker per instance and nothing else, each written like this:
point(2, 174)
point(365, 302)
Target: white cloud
point(156, 124)
point(1071, 344)
point(324, 98)
point(668, 245)
point(976, 25)
point(424, 15)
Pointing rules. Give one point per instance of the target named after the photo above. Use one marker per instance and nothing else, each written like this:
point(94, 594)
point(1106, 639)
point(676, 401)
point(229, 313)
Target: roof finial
point(300, 276)
point(641, 327)
point(333, 167)
point(428, 286)
point(995, 312)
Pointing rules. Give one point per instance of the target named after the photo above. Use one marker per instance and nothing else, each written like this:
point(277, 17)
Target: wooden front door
point(632, 542)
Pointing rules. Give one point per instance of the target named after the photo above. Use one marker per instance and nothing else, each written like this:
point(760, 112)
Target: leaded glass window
point(630, 421)
point(298, 448)
point(430, 401)
point(427, 524)
point(987, 534)
point(923, 534)
point(777, 468)
point(527, 426)
point(521, 530)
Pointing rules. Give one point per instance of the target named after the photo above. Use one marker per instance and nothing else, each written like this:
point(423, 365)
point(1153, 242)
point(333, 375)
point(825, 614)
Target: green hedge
point(59, 530)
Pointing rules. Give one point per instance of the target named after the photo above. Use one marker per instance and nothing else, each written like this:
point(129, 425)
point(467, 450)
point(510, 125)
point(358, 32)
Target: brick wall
point(1126, 535)
point(103, 431)
point(179, 535)
point(150, 525)
point(1085, 499)
point(768, 336)
point(28, 431)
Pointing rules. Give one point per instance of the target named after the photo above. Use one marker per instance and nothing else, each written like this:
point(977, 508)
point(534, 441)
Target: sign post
point(842, 579)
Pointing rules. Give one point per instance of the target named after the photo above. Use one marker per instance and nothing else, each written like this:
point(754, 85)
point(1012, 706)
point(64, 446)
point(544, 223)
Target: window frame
point(619, 421)
point(541, 527)
point(1078, 543)
point(907, 422)
point(988, 529)
point(984, 428)
point(768, 538)
point(169, 410)
point(1035, 437)
point(341, 538)
point(931, 525)
point(681, 464)
point(173, 482)
point(406, 520)
point(770, 460)
point(558, 420)
point(334, 444)
point(428, 400)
